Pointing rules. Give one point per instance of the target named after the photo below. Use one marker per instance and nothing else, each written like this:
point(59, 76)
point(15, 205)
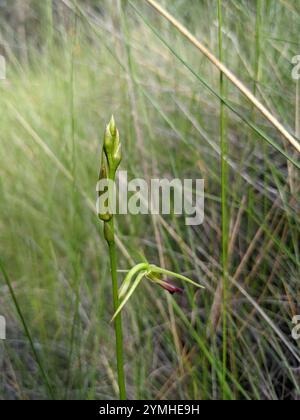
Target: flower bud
point(112, 147)
point(105, 217)
point(111, 159)
point(108, 142)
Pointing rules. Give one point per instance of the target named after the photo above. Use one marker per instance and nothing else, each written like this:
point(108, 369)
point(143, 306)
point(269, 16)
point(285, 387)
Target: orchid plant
point(110, 161)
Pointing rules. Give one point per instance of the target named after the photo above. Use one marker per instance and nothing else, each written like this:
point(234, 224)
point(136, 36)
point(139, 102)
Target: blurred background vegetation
point(70, 65)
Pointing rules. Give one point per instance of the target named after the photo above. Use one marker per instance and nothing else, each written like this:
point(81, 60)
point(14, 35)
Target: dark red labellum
point(171, 289)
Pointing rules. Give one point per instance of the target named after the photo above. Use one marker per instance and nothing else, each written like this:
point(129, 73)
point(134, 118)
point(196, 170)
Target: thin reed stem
point(224, 183)
point(109, 234)
point(258, 27)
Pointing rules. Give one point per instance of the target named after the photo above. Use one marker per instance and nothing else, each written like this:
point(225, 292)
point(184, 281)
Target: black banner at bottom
point(131, 409)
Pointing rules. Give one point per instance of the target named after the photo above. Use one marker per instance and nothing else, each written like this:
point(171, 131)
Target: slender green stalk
point(224, 183)
point(111, 159)
point(118, 320)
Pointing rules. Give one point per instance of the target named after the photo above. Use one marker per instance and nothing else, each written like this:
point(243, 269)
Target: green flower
point(155, 275)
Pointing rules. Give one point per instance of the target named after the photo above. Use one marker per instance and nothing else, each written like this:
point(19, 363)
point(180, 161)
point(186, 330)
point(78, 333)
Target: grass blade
point(250, 124)
point(26, 330)
point(228, 74)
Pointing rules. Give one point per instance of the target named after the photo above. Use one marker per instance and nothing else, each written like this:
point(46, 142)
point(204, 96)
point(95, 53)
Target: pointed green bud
point(110, 137)
point(112, 146)
point(108, 142)
point(112, 126)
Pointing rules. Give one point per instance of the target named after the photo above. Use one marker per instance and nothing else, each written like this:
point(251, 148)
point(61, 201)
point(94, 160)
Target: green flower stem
point(109, 235)
point(110, 161)
point(224, 196)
